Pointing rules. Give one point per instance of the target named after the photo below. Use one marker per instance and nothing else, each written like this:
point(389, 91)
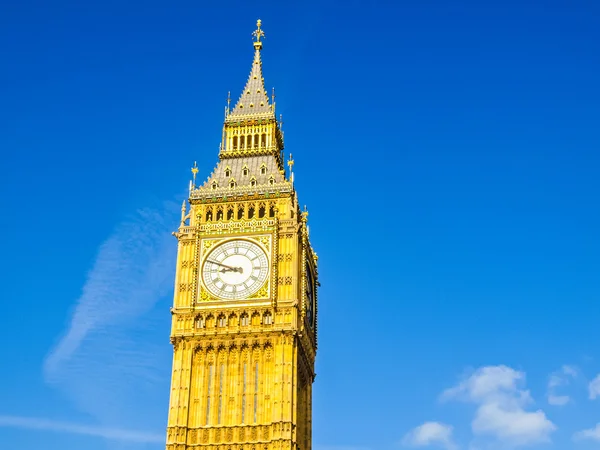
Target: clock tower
point(244, 316)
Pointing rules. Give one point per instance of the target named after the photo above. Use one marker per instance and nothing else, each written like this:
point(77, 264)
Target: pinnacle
point(254, 99)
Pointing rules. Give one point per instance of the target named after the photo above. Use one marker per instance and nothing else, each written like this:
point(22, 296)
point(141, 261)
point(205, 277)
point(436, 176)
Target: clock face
point(235, 269)
point(310, 295)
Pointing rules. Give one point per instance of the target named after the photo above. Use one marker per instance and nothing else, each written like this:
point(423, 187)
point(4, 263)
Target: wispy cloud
point(559, 379)
point(592, 434)
point(501, 411)
point(109, 358)
point(113, 434)
point(127, 279)
point(431, 433)
point(594, 388)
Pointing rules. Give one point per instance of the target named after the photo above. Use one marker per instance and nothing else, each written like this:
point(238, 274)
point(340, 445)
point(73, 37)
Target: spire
point(254, 100)
point(250, 128)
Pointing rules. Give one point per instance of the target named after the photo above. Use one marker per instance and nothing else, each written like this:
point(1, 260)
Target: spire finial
point(290, 164)
point(183, 211)
point(194, 172)
point(258, 33)
point(228, 107)
point(305, 214)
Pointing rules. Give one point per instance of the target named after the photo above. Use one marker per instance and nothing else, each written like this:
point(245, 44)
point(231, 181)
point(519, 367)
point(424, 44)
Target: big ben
point(244, 315)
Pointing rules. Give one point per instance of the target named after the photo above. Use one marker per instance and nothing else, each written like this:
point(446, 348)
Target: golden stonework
point(243, 364)
point(263, 292)
point(264, 240)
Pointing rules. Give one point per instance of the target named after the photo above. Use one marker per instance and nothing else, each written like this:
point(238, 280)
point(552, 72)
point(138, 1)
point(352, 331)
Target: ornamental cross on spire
point(258, 33)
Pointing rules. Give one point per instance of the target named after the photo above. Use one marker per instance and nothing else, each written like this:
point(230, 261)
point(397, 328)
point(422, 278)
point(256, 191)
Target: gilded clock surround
point(243, 368)
point(264, 241)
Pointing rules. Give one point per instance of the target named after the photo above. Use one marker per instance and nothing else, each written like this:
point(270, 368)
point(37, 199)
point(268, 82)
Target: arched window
point(271, 180)
point(214, 185)
point(230, 214)
point(210, 321)
point(245, 171)
point(220, 214)
point(253, 181)
point(209, 216)
point(200, 322)
point(222, 321)
point(242, 142)
point(263, 169)
point(240, 214)
point(263, 140)
point(232, 184)
point(256, 140)
point(267, 318)
point(272, 211)
point(261, 211)
point(244, 320)
point(227, 172)
point(235, 142)
point(251, 212)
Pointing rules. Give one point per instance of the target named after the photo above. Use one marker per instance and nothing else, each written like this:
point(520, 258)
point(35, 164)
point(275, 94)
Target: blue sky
point(448, 153)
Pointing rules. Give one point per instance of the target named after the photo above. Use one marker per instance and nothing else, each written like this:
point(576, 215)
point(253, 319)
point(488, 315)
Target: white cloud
point(501, 411)
point(485, 383)
point(591, 433)
point(594, 388)
point(113, 434)
point(512, 424)
point(558, 400)
point(430, 433)
point(558, 379)
point(570, 370)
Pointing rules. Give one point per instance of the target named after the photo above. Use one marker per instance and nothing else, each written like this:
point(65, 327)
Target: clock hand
point(227, 268)
point(223, 265)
